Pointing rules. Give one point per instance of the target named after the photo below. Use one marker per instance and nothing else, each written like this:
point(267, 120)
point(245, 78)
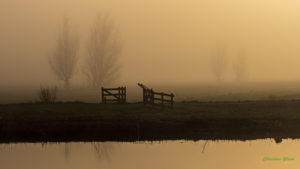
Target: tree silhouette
point(64, 59)
point(240, 65)
point(219, 61)
point(103, 51)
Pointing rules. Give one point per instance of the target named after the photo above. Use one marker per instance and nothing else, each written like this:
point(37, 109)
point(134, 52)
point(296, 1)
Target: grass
point(198, 91)
point(78, 121)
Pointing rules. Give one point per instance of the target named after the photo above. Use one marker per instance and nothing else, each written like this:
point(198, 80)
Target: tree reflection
point(103, 150)
point(67, 150)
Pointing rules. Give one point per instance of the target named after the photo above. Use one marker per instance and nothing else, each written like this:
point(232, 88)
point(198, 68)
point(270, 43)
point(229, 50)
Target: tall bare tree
point(64, 58)
point(219, 61)
point(103, 50)
point(240, 65)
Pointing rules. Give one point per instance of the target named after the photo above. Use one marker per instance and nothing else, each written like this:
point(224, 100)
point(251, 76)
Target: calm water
point(152, 155)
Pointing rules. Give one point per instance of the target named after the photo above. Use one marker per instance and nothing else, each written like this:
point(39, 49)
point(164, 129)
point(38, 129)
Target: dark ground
point(132, 122)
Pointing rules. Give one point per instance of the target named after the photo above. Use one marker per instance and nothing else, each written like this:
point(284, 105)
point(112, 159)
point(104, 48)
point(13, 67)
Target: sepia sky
point(163, 40)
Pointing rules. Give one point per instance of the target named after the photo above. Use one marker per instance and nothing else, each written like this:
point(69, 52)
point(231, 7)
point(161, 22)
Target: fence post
point(125, 95)
point(119, 95)
point(102, 94)
point(172, 99)
point(147, 96)
point(152, 96)
point(144, 96)
point(162, 98)
point(122, 95)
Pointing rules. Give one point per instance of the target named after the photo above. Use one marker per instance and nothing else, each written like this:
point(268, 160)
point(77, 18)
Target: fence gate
point(152, 97)
point(113, 95)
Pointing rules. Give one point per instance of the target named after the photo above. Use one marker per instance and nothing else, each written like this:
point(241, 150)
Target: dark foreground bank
point(132, 122)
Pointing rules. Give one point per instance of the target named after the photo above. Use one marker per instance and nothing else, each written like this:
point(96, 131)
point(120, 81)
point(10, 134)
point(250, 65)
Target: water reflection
point(257, 154)
point(102, 150)
point(204, 145)
point(67, 150)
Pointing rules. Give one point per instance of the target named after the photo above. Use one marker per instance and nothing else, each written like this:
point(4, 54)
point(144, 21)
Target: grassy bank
point(131, 122)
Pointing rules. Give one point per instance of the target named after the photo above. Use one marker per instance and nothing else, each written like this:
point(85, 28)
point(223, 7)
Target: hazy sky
point(164, 40)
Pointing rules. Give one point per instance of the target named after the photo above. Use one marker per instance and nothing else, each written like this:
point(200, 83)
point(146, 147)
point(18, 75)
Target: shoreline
point(64, 122)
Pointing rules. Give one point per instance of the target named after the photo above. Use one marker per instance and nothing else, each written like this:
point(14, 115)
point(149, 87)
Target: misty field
point(204, 92)
point(201, 111)
point(131, 122)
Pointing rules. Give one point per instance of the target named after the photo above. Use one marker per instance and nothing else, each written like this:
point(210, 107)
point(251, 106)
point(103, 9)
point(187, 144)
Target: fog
point(164, 41)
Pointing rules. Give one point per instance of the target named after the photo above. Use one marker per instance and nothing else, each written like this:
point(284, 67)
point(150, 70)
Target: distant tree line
point(101, 57)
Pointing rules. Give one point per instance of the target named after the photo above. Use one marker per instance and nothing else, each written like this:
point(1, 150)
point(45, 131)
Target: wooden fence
point(114, 95)
point(152, 97)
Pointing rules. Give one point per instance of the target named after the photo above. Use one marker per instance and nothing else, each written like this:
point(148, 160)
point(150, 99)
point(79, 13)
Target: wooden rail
point(113, 95)
point(152, 97)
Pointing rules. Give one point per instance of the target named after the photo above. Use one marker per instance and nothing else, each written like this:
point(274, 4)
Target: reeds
point(47, 94)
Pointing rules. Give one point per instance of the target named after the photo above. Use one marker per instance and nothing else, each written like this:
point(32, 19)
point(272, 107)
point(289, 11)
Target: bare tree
point(64, 59)
point(47, 94)
point(219, 61)
point(240, 65)
point(103, 51)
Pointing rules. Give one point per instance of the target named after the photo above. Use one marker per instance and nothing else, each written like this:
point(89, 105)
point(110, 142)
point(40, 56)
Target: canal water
point(258, 154)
